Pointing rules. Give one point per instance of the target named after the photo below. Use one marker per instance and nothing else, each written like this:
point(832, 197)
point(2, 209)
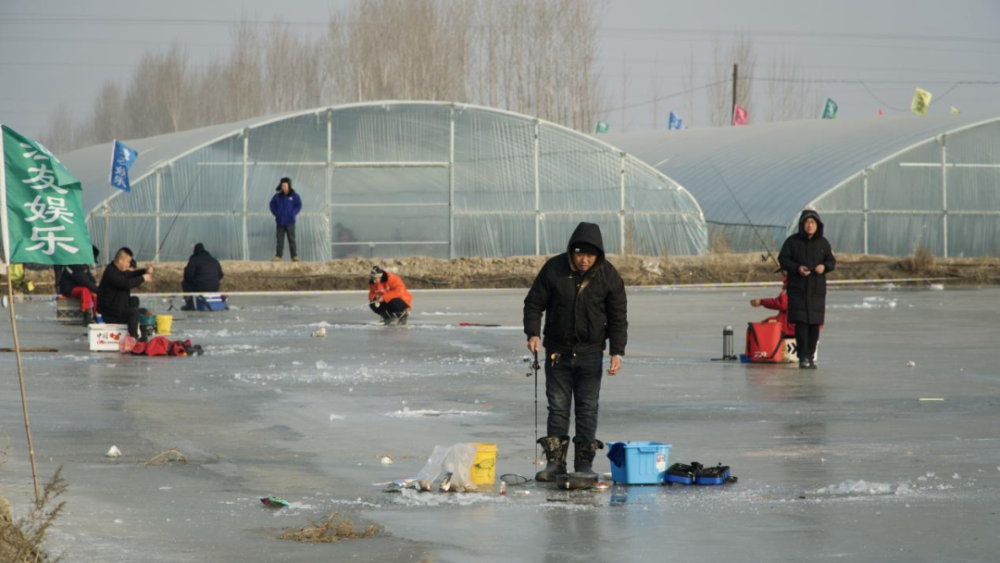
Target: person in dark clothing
point(808, 258)
point(114, 295)
point(285, 206)
point(201, 275)
point(78, 281)
point(583, 300)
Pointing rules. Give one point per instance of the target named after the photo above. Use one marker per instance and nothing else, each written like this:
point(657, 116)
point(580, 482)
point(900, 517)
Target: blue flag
point(674, 122)
point(121, 161)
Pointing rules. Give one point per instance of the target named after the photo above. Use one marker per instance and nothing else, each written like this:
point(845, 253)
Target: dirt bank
point(420, 272)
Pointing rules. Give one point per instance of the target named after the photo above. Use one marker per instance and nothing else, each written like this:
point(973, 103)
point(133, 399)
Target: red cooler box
point(765, 343)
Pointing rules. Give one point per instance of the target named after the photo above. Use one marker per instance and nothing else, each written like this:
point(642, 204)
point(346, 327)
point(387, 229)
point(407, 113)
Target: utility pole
point(732, 113)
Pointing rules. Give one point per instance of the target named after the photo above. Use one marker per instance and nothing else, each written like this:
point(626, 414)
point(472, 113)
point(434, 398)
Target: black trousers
point(282, 232)
point(394, 307)
point(573, 381)
point(806, 337)
point(131, 318)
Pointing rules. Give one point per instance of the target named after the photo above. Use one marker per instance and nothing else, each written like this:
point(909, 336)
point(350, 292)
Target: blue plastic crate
point(645, 464)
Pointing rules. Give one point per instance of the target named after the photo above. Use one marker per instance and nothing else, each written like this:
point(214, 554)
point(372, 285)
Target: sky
point(56, 52)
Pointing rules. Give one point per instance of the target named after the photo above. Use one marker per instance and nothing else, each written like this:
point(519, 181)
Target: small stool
point(68, 310)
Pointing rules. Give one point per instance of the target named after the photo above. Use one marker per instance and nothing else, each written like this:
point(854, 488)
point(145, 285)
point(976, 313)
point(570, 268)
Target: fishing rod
point(749, 222)
point(535, 367)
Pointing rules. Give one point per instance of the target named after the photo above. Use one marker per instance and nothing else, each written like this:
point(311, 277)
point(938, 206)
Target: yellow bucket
point(484, 468)
point(163, 323)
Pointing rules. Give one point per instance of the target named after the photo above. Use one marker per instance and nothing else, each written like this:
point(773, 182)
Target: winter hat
point(376, 272)
point(199, 248)
point(283, 180)
point(586, 248)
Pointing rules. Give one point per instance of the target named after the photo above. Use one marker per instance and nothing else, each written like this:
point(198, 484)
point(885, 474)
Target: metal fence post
point(864, 191)
point(621, 217)
point(246, 158)
point(451, 183)
point(329, 182)
point(156, 256)
point(944, 194)
point(538, 195)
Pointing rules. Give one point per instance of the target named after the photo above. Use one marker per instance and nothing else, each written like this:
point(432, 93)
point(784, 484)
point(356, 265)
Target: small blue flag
point(674, 122)
point(121, 161)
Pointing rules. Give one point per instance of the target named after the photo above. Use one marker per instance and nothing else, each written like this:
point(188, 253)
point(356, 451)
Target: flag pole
point(20, 379)
point(5, 236)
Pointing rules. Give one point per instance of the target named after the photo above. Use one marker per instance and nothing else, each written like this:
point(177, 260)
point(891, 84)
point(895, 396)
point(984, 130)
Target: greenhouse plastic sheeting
point(389, 179)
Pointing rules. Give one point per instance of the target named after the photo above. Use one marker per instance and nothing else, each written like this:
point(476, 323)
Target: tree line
point(537, 57)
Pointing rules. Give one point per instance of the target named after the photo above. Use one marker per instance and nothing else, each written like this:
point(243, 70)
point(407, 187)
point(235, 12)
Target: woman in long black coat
point(807, 257)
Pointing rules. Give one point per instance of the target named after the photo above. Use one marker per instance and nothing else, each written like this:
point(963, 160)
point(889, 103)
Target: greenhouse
point(385, 179)
point(884, 185)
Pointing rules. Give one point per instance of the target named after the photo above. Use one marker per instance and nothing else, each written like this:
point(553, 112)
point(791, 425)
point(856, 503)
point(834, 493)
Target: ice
point(321, 365)
point(431, 413)
point(860, 487)
point(337, 417)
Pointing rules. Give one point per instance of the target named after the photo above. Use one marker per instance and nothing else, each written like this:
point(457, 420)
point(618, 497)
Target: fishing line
point(749, 222)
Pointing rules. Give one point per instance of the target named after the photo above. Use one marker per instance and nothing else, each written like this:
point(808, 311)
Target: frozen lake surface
point(841, 463)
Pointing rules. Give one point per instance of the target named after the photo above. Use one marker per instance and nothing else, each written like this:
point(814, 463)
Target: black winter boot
point(556, 448)
point(583, 460)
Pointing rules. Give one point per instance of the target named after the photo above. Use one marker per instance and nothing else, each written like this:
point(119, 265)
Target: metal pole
point(107, 219)
point(329, 181)
point(944, 194)
point(20, 379)
point(246, 158)
point(732, 112)
point(156, 257)
point(538, 196)
point(451, 183)
point(621, 217)
point(864, 191)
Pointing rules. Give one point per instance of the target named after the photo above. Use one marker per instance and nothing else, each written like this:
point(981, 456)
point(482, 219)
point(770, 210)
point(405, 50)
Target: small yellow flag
point(921, 99)
point(954, 110)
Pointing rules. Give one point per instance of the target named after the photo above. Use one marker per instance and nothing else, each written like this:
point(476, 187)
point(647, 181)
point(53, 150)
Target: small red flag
point(739, 116)
point(880, 111)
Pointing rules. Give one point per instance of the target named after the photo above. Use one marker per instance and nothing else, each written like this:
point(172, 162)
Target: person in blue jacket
point(285, 206)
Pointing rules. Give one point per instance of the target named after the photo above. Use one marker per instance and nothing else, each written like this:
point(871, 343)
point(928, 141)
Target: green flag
point(41, 208)
point(830, 110)
point(602, 127)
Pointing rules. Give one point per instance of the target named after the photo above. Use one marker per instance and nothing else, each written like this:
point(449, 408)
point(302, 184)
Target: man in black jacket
point(114, 296)
point(583, 299)
point(201, 275)
point(77, 281)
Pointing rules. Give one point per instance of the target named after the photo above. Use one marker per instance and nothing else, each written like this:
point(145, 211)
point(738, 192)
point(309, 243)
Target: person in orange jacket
point(779, 304)
point(388, 296)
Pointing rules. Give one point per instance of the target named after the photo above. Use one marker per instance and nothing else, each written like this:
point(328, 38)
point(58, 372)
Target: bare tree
point(789, 93)
point(61, 132)
point(687, 80)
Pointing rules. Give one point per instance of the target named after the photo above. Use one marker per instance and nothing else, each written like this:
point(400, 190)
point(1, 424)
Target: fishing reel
point(534, 367)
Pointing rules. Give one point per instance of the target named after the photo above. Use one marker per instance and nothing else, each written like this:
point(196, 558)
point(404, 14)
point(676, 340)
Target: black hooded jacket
point(807, 294)
point(77, 275)
point(203, 272)
point(582, 309)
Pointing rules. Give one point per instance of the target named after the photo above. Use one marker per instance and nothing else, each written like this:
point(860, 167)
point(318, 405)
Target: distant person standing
point(203, 274)
point(285, 206)
point(807, 257)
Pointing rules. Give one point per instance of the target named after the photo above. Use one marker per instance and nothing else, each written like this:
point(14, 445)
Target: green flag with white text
point(41, 206)
point(830, 110)
point(602, 127)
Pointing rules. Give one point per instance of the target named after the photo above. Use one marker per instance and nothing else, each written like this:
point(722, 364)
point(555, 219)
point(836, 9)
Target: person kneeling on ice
point(388, 296)
point(583, 299)
point(114, 296)
point(202, 274)
point(779, 304)
point(78, 281)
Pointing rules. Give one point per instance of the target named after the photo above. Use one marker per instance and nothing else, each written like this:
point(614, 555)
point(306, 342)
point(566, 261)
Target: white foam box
point(107, 337)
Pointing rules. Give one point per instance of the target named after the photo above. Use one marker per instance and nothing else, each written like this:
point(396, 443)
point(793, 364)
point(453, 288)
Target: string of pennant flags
point(921, 102)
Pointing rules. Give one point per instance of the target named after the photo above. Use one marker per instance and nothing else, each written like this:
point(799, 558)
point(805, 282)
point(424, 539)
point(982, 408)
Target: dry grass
point(21, 539)
point(334, 528)
point(167, 456)
point(921, 262)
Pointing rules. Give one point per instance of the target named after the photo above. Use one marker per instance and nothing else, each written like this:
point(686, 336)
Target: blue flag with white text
point(674, 122)
point(121, 161)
